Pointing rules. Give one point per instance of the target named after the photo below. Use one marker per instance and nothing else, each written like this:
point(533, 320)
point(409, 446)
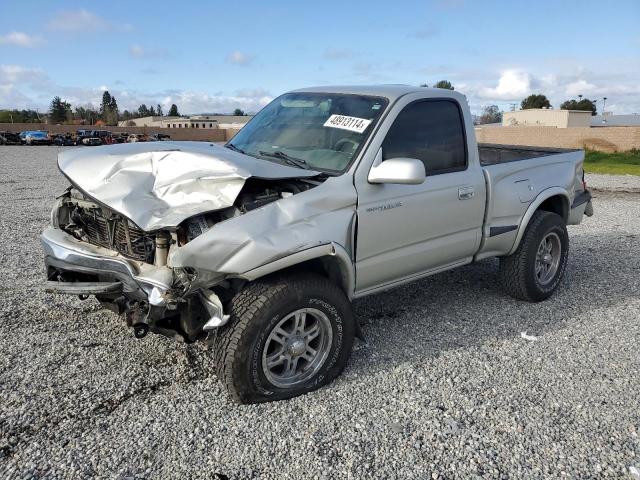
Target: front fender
point(332, 249)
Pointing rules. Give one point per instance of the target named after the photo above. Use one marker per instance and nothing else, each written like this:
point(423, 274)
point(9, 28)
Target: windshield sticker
point(353, 124)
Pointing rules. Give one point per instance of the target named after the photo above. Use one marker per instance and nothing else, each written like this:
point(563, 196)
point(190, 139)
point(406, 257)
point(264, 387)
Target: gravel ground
point(455, 379)
point(614, 183)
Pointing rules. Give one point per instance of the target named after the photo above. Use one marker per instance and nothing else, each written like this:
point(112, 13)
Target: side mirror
point(406, 171)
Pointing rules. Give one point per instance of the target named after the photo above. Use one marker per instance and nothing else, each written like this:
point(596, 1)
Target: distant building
point(615, 120)
point(194, 121)
point(545, 117)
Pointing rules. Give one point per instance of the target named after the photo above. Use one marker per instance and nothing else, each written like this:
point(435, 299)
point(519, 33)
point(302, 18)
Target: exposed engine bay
point(94, 223)
point(183, 311)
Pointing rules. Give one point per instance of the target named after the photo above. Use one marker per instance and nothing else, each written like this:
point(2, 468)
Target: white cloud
point(239, 58)
point(21, 39)
point(25, 87)
point(579, 87)
point(83, 21)
point(138, 51)
point(512, 85)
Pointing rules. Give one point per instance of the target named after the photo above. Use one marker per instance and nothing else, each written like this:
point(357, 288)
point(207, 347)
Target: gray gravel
point(614, 183)
point(455, 379)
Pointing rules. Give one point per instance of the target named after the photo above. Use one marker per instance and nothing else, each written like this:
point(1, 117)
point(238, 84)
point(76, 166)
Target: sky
point(208, 56)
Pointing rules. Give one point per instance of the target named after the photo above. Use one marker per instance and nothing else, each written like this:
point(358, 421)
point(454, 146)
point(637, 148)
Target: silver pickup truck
point(326, 195)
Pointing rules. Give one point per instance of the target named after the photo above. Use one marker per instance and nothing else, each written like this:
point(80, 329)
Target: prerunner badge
point(353, 124)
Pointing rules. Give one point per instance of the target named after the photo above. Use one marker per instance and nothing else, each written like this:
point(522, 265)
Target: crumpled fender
point(320, 216)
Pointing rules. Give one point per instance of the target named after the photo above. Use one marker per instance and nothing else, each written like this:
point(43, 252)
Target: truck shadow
point(465, 307)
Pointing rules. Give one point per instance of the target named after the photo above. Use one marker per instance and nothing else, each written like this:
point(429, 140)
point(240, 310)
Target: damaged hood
point(160, 184)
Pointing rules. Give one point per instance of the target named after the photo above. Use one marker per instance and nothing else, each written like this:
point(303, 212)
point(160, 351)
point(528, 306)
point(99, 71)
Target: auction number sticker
point(353, 124)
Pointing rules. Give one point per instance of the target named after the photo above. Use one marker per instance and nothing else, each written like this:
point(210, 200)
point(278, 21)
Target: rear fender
point(535, 205)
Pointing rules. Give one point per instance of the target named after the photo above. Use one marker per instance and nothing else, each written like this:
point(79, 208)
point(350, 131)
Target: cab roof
point(391, 91)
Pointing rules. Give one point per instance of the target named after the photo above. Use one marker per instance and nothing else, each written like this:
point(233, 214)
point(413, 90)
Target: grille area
point(114, 232)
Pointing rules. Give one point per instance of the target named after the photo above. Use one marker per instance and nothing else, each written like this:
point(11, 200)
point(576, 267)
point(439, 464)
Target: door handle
point(465, 193)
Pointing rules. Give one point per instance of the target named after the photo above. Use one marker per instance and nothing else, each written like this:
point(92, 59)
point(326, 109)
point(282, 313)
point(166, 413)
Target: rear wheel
point(287, 336)
point(534, 271)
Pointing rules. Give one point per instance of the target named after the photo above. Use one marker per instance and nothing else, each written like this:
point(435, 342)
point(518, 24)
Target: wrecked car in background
point(9, 138)
point(326, 195)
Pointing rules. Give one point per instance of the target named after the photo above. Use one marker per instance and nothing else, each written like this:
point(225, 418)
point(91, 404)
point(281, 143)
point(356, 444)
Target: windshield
point(316, 131)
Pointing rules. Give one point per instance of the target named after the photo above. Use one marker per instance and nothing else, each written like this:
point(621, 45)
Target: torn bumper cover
point(140, 281)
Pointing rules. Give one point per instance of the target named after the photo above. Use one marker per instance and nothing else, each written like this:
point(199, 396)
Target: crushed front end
point(92, 250)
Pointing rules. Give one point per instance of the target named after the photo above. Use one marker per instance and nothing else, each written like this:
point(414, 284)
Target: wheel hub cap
point(297, 347)
point(548, 258)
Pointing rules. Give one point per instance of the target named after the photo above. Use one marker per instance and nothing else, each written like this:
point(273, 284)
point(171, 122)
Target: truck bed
point(493, 154)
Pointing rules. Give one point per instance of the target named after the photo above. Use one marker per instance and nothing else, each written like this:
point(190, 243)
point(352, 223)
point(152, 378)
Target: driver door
point(408, 230)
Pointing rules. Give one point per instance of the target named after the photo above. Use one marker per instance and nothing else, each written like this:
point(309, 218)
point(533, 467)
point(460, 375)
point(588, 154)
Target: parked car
point(93, 137)
point(325, 196)
point(9, 138)
point(36, 137)
point(63, 140)
point(120, 137)
point(136, 137)
point(160, 137)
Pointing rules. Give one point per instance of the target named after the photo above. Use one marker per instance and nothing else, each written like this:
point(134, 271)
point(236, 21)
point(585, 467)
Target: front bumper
point(140, 281)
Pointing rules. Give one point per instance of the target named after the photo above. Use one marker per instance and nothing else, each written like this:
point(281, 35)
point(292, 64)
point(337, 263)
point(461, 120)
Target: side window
point(430, 131)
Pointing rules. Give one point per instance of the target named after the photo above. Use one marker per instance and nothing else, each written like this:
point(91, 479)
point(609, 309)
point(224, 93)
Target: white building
point(546, 117)
point(194, 121)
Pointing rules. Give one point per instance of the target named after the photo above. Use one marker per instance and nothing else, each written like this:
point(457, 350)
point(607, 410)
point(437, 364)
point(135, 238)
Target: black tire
point(517, 272)
point(256, 311)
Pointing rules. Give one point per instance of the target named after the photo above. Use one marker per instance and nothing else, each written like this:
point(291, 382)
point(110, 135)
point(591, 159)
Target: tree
point(173, 111)
point(159, 110)
point(143, 111)
point(238, 112)
point(424, 85)
point(584, 104)
point(446, 84)
point(58, 110)
point(152, 111)
point(536, 100)
point(490, 114)
point(109, 109)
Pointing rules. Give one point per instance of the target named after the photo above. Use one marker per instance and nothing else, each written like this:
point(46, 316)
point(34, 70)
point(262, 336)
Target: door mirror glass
point(406, 171)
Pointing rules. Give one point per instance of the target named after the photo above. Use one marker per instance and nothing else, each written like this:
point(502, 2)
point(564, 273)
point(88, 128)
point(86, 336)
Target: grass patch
point(618, 163)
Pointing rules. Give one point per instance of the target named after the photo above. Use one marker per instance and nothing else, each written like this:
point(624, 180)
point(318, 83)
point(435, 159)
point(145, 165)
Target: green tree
point(159, 110)
point(109, 109)
point(105, 105)
point(152, 111)
point(238, 112)
point(173, 111)
point(490, 114)
point(536, 100)
point(143, 111)
point(584, 104)
point(446, 84)
point(58, 110)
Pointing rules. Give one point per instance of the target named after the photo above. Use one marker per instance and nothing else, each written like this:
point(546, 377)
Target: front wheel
point(287, 336)
point(534, 271)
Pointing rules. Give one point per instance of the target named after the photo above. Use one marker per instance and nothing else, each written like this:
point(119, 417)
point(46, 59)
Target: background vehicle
point(326, 195)
point(9, 138)
point(136, 137)
point(159, 137)
point(36, 137)
point(63, 140)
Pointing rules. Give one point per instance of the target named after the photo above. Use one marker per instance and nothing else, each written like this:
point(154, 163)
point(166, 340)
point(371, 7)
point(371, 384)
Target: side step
point(83, 288)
